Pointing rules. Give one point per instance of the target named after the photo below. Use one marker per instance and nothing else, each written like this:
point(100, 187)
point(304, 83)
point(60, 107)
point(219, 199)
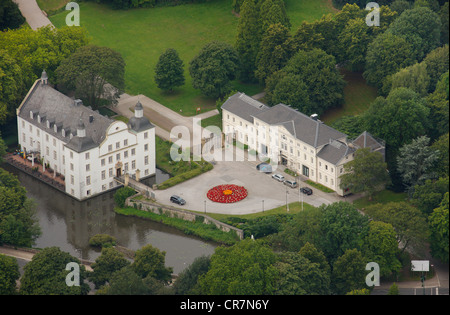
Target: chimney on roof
point(77, 102)
point(314, 116)
point(44, 78)
point(81, 130)
point(138, 110)
point(91, 118)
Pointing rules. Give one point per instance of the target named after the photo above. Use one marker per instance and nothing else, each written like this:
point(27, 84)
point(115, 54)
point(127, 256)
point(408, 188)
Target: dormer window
point(31, 114)
point(63, 133)
point(48, 124)
point(39, 119)
point(55, 128)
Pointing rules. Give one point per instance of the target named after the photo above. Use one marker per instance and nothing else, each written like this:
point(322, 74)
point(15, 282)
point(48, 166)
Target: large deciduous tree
point(169, 72)
point(214, 68)
point(95, 74)
point(439, 228)
point(246, 268)
point(367, 172)
point(46, 274)
point(416, 162)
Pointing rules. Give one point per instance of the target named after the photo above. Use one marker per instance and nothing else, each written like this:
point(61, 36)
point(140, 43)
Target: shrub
point(102, 240)
point(122, 194)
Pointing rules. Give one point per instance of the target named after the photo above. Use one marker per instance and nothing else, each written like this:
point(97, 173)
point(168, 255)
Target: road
point(33, 14)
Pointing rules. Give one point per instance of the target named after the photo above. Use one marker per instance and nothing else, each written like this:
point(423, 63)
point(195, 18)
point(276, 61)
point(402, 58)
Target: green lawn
point(383, 196)
point(142, 35)
point(357, 98)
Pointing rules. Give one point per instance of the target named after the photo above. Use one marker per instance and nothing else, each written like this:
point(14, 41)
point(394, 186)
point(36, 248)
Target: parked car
point(278, 177)
point(291, 183)
point(178, 200)
point(306, 190)
point(264, 168)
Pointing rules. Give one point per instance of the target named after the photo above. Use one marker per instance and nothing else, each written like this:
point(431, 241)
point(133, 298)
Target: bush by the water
point(102, 240)
point(122, 194)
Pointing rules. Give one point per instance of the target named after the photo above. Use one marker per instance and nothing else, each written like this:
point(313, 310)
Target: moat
point(69, 224)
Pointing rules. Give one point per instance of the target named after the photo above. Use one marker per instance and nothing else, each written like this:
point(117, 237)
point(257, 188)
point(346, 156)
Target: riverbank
point(208, 232)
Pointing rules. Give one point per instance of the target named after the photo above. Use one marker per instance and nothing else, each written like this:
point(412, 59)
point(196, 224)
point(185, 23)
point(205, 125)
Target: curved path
point(33, 14)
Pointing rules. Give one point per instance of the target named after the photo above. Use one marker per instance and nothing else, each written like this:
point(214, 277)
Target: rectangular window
point(125, 142)
point(117, 145)
point(145, 147)
point(125, 154)
point(133, 151)
point(110, 172)
point(72, 179)
point(146, 160)
point(117, 156)
point(103, 162)
point(145, 135)
point(88, 167)
point(103, 175)
point(88, 180)
point(110, 159)
point(110, 148)
point(133, 164)
point(87, 155)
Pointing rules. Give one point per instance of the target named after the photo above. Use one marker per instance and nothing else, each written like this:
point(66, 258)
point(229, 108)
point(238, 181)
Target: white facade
point(301, 143)
point(88, 157)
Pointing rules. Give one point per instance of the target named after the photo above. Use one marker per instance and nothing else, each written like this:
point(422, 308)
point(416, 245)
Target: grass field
point(357, 98)
point(142, 35)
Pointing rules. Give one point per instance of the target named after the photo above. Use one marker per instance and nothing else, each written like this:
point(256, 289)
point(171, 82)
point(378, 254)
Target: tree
point(187, 280)
point(169, 72)
point(110, 261)
point(414, 77)
point(10, 16)
point(381, 246)
point(354, 40)
point(124, 282)
point(429, 195)
point(352, 126)
point(444, 15)
point(248, 39)
point(246, 268)
point(416, 162)
point(438, 104)
point(314, 255)
point(213, 68)
point(299, 276)
point(3, 149)
point(393, 289)
point(439, 238)
point(437, 63)
point(273, 12)
point(442, 145)
point(46, 274)
point(95, 74)
point(317, 69)
point(409, 223)
point(9, 274)
point(11, 85)
point(367, 172)
point(343, 228)
point(274, 52)
point(150, 262)
point(420, 27)
point(397, 119)
point(349, 272)
point(292, 90)
point(386, 54)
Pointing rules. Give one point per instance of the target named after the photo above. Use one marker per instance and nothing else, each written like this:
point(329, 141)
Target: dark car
point(178, 200)
point(264, 168)
point(306, 190)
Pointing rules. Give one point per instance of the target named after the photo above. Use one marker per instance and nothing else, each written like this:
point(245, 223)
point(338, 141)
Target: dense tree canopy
point(95, 74)
point(169, 72)
point(214, 68)
point(10, 16)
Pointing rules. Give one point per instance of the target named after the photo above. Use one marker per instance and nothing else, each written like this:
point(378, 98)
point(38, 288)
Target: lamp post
point(287, 204)
point(205, 206)
point(263, 206)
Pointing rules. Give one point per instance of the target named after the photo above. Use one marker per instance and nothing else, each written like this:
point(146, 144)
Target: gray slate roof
point(335, 151)
point(301, 126)
point(244, 106)
point(60, 110)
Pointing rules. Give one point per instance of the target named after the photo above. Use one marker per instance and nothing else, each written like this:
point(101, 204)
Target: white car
point(278, 177)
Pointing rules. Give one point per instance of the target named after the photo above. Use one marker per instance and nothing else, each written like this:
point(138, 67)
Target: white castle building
point(87, 148)
point(302, 143)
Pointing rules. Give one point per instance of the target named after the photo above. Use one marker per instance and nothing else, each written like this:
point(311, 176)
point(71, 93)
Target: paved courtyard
point(263, 190)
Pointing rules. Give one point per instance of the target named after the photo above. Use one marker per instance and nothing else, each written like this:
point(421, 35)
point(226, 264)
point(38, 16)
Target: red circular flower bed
point(227, 193)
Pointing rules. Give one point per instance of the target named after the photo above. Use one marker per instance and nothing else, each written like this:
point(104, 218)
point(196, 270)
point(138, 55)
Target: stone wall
point(180, 214)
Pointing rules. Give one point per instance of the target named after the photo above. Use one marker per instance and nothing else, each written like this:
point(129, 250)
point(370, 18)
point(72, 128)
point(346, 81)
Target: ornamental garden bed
point(229, 193)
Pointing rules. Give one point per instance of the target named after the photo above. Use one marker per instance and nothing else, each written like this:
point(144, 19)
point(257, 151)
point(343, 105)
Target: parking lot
point(264, 192)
